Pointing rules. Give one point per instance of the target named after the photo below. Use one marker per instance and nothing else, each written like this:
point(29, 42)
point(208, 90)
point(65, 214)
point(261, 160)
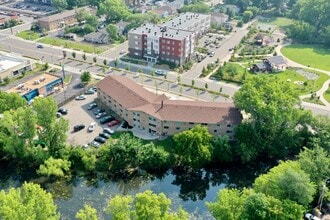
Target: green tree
point(193, 147)
point(192, 83)
point(286, 181)
point(29, 201)
point(74, 54)
point(105, 62)
point(54, 167)
point(52, 132)
point(222, 151)
point(316, 163)
point(196, 8)
point(152, 158)
point(146, 205)
point(87, 213)
point(112, 30)
point(274, 117)
point(81, 15)
point(92, 20)
point(85, 77)
point(247, 15)
point(60, 5)
point(10, 101)
point(114, 10)
point(229, 204)
point(84, 57)
point(94, 59)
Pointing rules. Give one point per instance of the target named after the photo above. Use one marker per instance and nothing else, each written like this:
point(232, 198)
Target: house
point(270, 64)
point(101, 37)
point(121, 26)
point(163, 11)
point(4, 19)
point(159, 115)
point(219, 18)
point(259, 39)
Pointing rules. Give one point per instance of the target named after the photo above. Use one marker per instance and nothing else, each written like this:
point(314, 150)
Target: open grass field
point(279, 21)
point(28, 35)
point(313, 55)
point(290, 76)
point(87, 48)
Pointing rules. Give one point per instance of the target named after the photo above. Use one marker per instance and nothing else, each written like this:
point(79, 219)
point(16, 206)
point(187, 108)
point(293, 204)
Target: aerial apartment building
point(159, 115)
point(172, 41)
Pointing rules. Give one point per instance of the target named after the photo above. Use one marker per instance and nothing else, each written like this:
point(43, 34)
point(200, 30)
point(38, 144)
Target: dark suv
point(78, 127)
point(106, 119)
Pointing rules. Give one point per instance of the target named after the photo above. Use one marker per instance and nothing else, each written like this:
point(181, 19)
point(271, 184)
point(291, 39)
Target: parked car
point(108, 131)
point(98, 111)
point(113, 123)
point(91, 106)
point(211, 54)
point(63, 111)
point(94, 88)
point(81, 97)
point(89, 92)
point(78, 127)
point(106, 119)
point(105, 135)
point(95, 144)
point(100, 139)
point(159, 73)
point(85, 146)
point(91, 127)
point(58, 115)
point(101, 115)
point(40, 46)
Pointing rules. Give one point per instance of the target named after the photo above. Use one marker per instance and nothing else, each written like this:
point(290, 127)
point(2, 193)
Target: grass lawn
point(28, 35)
point(88, 48)
point(313, 100)
point(326, 95)
point(313, 55)
point(279, 21)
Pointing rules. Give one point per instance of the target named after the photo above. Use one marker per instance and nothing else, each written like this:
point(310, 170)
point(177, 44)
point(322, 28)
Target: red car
point(113, 123)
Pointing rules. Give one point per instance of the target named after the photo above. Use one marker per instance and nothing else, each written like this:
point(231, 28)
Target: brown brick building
point(58, 21)
point(162, 116)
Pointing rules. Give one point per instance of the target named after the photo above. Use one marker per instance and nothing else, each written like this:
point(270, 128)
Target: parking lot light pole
point(63, 73)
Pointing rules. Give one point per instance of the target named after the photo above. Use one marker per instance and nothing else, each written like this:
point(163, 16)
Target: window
point(178, 128)
point(204, 123)
point(228, 126)
point(165, 127)
point(109, 101)
point(152, 125)
point(192, 123)
point(215, 131)
point(229, 132)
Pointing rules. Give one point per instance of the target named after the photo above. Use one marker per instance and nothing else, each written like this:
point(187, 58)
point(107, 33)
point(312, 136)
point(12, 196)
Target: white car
point(91, 127)
point(81, 97)
point(108, 130)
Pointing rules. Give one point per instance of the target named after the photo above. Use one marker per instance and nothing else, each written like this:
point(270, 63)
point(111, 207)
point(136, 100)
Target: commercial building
point(58, 21)
point(172, 41)
point(12, 66)
point(162, 116)
point(41, 85)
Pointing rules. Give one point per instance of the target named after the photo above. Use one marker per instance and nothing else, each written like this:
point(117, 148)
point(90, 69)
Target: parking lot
point(78, 114)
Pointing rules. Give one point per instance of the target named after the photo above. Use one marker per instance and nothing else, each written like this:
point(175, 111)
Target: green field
point(28, 35)
point(87, 48)
point(313, 55)
point(280, 21)
point(326, 95)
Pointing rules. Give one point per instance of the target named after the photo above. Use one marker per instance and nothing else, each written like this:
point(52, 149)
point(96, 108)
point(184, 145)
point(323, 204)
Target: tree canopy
point(114, 10)
point(146, 205)
point(193, 147)
point(29, 201)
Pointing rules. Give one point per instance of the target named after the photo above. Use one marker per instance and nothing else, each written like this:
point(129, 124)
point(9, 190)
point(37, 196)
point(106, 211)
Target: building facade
point(58, 21)
point(172, 41)
point(162, 116)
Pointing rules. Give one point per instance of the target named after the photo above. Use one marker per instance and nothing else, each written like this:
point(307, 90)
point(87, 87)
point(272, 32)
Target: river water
point(188, 190)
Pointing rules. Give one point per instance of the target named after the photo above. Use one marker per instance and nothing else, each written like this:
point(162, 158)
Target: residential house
point(121, 27)
point(219, 18)
point(163, 11)
point(159, 115)
point(101, 37)
point(270, 64)
point(58, 21)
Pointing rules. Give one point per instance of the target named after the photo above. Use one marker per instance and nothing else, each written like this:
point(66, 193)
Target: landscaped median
point(87, 48)
point(28, 35)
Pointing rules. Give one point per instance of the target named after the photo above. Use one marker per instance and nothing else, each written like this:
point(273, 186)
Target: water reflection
point(189, 189)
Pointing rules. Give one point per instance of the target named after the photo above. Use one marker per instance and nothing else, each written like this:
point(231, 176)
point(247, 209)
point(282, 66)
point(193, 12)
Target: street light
point(63, 73)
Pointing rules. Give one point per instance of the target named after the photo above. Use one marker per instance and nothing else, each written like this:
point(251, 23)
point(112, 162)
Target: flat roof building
point(41, 85)
point(11, 66)
point(162, 116)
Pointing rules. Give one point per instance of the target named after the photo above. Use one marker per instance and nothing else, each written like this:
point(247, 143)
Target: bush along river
point(190, 190)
